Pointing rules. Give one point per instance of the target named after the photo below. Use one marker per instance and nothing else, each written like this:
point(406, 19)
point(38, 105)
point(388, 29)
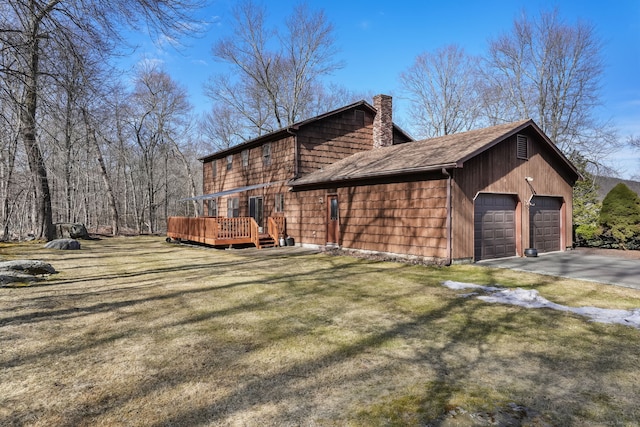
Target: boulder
point(9, 278)
point(27, 266)
point(66, 230)
point(23, 271)
point(70, 244)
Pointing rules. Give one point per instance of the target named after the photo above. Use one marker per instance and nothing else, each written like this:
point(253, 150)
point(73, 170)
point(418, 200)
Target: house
point(352, 179)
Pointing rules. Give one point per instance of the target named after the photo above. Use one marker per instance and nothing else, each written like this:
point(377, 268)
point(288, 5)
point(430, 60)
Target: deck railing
point(221, 231)
point(255, 232)
point(275, 228)
point(235, 228)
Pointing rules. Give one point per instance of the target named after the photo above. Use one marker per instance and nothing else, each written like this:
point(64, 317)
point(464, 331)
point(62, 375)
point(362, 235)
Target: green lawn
point(135, 331)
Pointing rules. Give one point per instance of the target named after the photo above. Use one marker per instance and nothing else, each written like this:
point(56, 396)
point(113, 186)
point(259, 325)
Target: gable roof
point(449, 151)
point(288, 130)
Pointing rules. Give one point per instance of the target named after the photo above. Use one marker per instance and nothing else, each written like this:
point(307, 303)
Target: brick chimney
point(383, 121)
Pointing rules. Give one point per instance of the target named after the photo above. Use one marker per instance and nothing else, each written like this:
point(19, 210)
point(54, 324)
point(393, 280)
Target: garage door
point(544, 223)
point(494, 226)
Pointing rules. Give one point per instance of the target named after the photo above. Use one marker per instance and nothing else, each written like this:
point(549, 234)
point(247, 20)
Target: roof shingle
point(429, 154)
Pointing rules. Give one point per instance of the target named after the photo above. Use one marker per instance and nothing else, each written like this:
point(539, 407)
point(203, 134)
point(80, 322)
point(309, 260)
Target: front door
point(256, 209)
point(333, 220)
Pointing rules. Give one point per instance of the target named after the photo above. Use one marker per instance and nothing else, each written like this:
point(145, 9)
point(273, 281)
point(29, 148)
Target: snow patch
point(532, 299)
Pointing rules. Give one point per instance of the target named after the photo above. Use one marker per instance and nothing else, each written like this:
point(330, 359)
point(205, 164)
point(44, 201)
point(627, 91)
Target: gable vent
point(522, 147)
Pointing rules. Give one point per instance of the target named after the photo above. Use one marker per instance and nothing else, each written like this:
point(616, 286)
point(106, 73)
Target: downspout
point(296, 172)
point(295, 152)
point(449, 237)
point(203, 202)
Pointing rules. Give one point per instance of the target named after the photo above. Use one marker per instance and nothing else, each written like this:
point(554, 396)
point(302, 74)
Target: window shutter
point(522, 147)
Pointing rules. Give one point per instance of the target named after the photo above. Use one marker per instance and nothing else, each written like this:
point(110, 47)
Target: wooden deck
point(218, 231)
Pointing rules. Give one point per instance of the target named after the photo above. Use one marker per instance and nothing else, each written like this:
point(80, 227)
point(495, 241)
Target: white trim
point(232, 191)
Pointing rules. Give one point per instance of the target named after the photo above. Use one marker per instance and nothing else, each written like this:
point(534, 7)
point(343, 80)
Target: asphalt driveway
point(577, 265)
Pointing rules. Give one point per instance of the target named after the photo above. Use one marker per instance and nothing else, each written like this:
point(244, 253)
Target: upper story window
point(229, 162)
point(245, 158)
point(358, 117)
point(214, 169)
point(522, 147)
point(266, 154)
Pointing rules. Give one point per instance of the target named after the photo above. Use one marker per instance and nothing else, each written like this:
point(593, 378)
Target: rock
point(27, 266)
point(23, 271)
point(66, 230)
point(8, 277)
point(70, 244)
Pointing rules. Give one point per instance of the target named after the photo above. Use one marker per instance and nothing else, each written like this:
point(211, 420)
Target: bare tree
point(272, 87)
point(191, 182)
point(92, 141)
point(31, 29)
point(159, 117)
point(443, 91)
point(221, 127)
point(9, 137)
point(551, 71)
point(10, 97)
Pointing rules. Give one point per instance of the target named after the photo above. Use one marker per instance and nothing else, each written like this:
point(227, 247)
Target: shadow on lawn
point(47, 314)
point(452, 351)
point(290, 383)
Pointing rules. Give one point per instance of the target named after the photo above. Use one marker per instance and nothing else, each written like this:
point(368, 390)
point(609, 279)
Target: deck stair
point(266, 241)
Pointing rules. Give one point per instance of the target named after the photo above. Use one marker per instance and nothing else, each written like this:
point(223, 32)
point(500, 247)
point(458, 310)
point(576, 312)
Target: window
point(279, 202)
point(245, 158)
point(522, 147)
point(214, 169)
point(233, 207)
point(333, 209)
point(358, 117)
point(266, 154)
point(212, 205)
point(229, 162)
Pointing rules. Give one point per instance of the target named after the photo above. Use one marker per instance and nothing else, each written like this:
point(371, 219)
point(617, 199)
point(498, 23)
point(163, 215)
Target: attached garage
point(494, 226)
point(456, 198)
point(544, 223)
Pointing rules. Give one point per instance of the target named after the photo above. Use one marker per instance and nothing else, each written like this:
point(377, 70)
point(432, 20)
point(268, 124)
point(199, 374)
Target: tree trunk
point(6, 186)
point(192, 183)
point(44, 214)
point(111, 199)
point(68, 146)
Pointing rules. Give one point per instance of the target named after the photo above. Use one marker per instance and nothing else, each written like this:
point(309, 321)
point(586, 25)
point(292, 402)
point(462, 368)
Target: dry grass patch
point(134, 331)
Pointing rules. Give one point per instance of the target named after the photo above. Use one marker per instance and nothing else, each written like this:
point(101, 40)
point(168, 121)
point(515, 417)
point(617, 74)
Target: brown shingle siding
point(281, 168)
point(332, 139)
point(498, 170)
point(400, 217)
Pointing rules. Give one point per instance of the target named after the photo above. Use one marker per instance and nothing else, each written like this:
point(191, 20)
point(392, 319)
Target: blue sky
point(380, 39)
